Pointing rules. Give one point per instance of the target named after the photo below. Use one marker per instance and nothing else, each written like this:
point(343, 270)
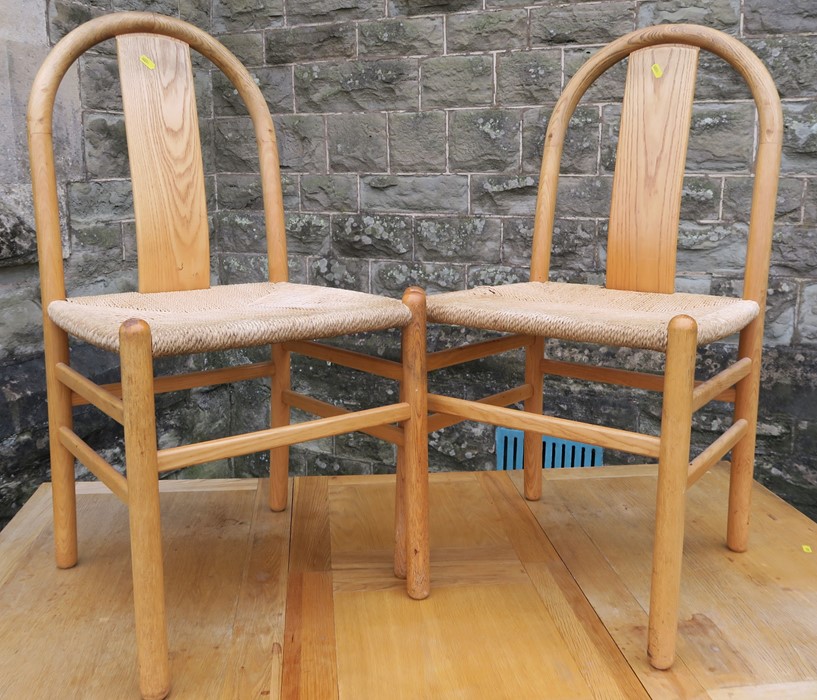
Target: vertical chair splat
point(161, 123)
point(649, 175)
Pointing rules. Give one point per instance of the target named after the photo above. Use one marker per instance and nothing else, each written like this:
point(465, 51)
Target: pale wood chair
point(176, 312)
point(638, 307)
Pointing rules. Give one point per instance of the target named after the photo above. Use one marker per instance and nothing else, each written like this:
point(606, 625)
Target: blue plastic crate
point(556, 454)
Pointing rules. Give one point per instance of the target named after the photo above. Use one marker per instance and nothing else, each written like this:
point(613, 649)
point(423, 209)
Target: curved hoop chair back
point(651, 157)
point(176, 312)
point(639, 307)
point(164, 150)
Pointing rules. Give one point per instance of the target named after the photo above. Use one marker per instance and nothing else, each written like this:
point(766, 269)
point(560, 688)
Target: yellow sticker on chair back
point(147, 62)
point(657, 71)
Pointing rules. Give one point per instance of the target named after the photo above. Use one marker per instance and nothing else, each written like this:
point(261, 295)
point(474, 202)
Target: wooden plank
point(172, 236)
point(88, 635)
point(310, 548)
point(510, 605)
point(602, 664)
point(520, 526)
point(256, 656)
point(646, 203)
point(206, 540)
point(359, 522)
point(87, 611)
point(474, 562)
point(798, 690)
point(309, 665)
point(778, 535)
point(349, 479)
point(763, 602)
point(620, 610)
point(17, 537)
point(451, 568)
point(361, 513)
point(608, 471)
point(391, 646)
point(746, 619)
point(309, 660)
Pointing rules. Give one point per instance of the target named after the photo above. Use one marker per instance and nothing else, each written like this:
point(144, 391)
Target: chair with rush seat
point(176, 311)
point(638, 306)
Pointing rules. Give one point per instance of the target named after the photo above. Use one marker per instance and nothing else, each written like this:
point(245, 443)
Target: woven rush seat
point(592, 314)
point(228, 316)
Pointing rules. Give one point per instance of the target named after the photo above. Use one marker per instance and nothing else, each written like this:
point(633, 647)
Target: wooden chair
point(638, 306)
point(177, 312)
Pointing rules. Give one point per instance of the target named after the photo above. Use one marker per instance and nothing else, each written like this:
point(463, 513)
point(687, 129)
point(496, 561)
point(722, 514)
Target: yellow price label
point(656, 70)
point(147, 62)
point(806, 549)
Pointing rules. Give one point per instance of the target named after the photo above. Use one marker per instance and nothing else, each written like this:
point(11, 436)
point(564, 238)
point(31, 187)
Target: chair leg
point(743, 454)
point(532, 450)
point(415, 462)
point(64, 497)
point(673, 464)
point(279, 414)
point(400, 544)
point(143, 507)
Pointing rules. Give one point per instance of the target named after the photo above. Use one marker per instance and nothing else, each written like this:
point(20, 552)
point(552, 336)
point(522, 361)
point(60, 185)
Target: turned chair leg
point(414, 465)
point(532, 445)
point(63, 487)
point(673, 464)
point(143, 507)
point(279, 415)
point(743, 453)
point(400, 543)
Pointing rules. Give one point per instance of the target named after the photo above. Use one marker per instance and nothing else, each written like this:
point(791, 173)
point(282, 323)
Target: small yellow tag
point(656, 70)
point(806, 549)
point(150, 64)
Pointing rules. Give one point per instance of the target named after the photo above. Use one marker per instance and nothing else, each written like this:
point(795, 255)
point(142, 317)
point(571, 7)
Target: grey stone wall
point(410, 135)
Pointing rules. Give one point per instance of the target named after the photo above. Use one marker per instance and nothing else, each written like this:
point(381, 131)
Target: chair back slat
point(161, 123)
point(650, 162)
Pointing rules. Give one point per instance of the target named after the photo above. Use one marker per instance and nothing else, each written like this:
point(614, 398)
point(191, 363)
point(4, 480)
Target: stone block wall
point(410, 134)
